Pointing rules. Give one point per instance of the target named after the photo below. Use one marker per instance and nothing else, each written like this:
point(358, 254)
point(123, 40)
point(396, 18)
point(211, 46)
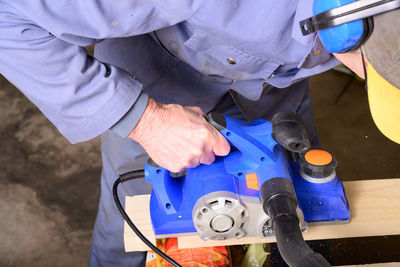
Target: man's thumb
point(221, 145)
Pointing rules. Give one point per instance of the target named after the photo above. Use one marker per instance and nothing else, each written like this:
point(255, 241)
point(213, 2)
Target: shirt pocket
point(216, 57)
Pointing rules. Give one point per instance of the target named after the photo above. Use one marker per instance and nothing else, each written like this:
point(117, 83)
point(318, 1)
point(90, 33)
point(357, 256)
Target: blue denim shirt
point(246, 42)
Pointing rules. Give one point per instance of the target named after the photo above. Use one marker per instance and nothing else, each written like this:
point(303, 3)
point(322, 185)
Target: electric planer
point(229, 198)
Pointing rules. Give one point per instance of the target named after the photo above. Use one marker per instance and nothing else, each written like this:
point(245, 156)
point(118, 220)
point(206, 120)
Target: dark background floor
point(49, 189)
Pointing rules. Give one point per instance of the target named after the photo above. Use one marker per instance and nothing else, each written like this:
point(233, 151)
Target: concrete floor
point(49, 189)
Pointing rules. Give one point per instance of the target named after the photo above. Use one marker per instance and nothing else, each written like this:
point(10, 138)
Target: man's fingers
point(177, 170)
point(193, 164)
point(207, 158)
point(196, 110)
point(221, 146)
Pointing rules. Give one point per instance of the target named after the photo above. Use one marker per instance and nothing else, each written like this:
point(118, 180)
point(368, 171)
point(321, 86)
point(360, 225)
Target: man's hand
point(178, 137)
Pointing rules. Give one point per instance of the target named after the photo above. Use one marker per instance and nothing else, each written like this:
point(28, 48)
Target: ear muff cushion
point(368, 25)
point(341, 38)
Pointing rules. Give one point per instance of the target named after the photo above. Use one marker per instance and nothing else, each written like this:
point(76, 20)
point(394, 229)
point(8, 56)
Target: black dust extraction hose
point(280, 203)
point(129, 176)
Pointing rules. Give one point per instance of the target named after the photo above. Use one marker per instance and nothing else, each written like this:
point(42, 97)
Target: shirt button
point(317, 52)
point(231, 61)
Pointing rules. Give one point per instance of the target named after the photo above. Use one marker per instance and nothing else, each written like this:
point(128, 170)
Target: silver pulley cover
point(220, 215)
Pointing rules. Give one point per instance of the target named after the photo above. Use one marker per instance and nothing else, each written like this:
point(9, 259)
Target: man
point(159, 66)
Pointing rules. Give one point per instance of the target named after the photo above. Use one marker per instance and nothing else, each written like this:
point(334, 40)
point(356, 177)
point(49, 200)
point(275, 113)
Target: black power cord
point(129, 176)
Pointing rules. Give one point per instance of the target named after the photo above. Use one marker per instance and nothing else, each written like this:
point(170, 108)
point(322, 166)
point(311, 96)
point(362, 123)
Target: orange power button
point(318, 157)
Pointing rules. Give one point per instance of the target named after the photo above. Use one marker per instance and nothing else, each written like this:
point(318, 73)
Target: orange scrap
point(191, 257)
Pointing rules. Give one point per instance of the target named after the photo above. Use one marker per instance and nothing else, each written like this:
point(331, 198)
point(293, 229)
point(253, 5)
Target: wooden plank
point(374, 207)
point(137, 207)
point(386, 264)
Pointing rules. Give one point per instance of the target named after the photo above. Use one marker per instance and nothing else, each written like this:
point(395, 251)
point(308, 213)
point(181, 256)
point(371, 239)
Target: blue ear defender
point(344, 37)
point(344, 25)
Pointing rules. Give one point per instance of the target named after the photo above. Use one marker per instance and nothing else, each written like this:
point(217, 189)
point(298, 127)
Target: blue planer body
point(223, 200)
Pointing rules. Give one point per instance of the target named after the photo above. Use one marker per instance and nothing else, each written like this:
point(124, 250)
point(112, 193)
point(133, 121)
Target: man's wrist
point(149, 116)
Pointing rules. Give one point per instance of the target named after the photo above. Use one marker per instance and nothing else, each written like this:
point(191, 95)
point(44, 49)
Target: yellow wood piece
point(374, 207)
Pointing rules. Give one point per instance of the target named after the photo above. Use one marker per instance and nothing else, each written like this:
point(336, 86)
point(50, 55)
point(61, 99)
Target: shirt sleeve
point(41, 54)
point(128, 122)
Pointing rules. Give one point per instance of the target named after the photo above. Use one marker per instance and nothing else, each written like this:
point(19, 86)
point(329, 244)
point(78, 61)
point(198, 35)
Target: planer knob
point(317, 163)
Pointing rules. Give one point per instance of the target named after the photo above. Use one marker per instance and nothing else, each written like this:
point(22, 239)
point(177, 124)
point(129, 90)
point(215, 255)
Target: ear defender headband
point(344, 25)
